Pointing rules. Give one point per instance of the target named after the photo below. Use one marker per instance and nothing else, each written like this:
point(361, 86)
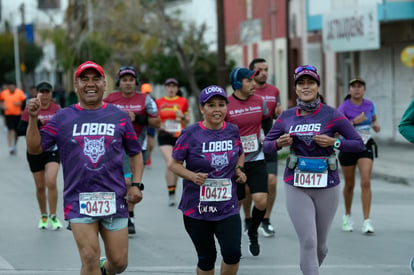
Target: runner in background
point(272, 97)
point(147, 89)
point(44, 167)
point(247, 110)
point(362, 114)
point(13, 100)
point(173, 110)
point(142, 111)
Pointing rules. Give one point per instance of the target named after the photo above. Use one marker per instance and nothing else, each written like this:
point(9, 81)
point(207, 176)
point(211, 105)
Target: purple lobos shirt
point(91, 144)
point(325, 120)
point(214, 152)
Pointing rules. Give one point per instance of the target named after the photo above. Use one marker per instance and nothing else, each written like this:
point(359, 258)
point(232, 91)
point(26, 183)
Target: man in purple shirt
point(91, 136)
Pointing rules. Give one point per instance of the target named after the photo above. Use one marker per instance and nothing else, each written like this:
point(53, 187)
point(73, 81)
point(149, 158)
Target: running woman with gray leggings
point(311, 176)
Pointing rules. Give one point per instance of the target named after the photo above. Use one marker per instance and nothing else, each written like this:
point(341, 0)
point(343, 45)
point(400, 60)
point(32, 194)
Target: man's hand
point(33, 107)
point(131, 116)
point(134, 195)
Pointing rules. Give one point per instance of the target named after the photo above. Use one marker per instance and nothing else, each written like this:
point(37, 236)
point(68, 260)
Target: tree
point(139, 33)
point(32, 56)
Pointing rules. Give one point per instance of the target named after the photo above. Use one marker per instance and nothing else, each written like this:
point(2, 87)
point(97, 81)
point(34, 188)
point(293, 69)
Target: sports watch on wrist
point(337, 143)
point(140, 185)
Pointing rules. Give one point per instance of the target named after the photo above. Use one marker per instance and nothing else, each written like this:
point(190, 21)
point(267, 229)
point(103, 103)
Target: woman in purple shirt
point(311, 176)
point(214, 157)
point(361, 113)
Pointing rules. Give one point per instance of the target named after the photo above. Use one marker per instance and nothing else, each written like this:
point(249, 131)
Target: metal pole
point(304, 33)
point(221, 46)
point(273, 33)
point(16, 56)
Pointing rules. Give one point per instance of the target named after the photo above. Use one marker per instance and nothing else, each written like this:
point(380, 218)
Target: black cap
point(44, 85)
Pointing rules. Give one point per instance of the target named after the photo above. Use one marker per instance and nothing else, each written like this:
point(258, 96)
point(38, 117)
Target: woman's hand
point(324, 140)
point(199, 178)
point(359, 118)
point(284, 140)
point(375, 126)
point(240, 176)
point(179, 115)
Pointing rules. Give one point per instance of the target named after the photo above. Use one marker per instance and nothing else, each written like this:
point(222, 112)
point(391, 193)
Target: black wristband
point(142, 120)
point(140, 185)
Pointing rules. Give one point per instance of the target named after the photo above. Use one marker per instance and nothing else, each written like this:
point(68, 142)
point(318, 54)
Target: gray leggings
point(312, 211)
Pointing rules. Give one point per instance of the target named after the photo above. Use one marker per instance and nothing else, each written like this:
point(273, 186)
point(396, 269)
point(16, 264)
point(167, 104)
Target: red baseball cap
point(89, 65)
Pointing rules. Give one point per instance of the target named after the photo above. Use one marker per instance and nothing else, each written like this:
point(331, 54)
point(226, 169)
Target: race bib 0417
point(310, 179)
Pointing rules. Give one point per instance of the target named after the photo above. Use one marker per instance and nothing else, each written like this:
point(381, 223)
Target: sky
point(10, 11)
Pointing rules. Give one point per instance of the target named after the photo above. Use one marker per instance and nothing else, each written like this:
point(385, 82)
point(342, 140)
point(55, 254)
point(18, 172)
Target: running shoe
point(254, 247)
point(266, 228)
point(347, 223)
point(171, 200)
point(148, 164)
point(131, 226)
point(247, 223)
point(102, 261)
point(54, 221)
point(43, 222)
point(367, 227)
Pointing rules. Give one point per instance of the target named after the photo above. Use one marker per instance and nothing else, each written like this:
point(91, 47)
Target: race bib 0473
point(97, 203)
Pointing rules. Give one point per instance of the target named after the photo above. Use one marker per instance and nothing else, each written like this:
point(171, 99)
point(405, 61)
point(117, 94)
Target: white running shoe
point(171, 200)
point(367, 227)
point(347, 223)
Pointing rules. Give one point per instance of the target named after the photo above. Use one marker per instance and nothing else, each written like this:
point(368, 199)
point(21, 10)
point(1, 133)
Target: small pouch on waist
point(317, 165)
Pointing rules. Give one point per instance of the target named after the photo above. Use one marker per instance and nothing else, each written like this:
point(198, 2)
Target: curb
point(390, 178)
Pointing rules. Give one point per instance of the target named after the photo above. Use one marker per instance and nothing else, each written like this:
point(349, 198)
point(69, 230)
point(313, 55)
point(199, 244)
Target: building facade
point(258, 28)
point(353, 38)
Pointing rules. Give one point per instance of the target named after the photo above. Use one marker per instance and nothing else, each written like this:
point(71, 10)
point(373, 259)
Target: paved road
point(162, 247)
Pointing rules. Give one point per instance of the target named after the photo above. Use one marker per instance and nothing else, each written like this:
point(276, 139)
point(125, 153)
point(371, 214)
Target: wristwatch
point(140, 185)
point(337, 143)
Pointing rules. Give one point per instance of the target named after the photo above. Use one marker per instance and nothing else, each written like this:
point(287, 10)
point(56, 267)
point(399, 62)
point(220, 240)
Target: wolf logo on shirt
point(219, 161)
point(94, 149)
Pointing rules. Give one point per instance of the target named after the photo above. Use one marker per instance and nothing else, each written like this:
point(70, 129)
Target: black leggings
point(228, 234)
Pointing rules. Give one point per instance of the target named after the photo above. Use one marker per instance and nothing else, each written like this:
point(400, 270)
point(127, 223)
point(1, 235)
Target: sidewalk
point(395, 162)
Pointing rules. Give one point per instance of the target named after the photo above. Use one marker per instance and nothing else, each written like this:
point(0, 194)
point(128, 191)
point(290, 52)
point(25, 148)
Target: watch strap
point(140, 185)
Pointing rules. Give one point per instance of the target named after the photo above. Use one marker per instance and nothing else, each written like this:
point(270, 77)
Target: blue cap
point(240, 73)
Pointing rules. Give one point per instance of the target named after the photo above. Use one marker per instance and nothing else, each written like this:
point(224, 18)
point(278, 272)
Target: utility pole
point(273, 33)
point(22, 65)
point(16, 56)
point(221, 46)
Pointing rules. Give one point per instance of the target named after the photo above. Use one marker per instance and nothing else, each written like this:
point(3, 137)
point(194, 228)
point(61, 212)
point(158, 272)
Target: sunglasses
point(126, 68)
point(44, 91)
point(305, 67)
